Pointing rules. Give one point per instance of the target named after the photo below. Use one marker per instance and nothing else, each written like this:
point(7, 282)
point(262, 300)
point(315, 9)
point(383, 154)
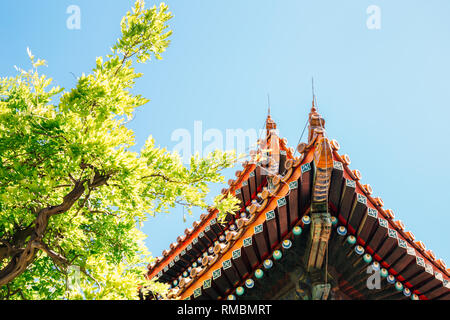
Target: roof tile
point(421, 245)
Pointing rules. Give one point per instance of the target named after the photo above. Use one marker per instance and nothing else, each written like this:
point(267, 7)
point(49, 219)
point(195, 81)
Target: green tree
point(72, 195)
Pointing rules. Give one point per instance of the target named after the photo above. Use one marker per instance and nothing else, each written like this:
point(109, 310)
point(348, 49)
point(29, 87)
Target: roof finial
point(315, 119)
point(270, 124)
point(313, 108)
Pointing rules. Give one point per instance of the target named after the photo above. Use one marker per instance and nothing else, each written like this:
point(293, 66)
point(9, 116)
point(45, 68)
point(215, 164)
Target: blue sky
point(383, 92)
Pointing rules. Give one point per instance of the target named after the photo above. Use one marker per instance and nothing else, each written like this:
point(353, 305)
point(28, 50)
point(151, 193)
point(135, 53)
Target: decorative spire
point(313, 108)
point(271, 147)
point(270, 124)
point(315, 119)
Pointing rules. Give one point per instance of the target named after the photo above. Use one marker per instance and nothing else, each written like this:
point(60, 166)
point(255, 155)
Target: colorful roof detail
point(311, 206)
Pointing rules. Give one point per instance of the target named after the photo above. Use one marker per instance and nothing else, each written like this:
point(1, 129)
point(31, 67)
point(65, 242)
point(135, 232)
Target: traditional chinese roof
point(308, 212)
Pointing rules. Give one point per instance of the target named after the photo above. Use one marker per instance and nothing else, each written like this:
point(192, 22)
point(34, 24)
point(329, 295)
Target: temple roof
point(213, 260)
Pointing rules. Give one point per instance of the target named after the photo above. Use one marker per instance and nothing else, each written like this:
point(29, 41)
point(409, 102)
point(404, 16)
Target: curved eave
point(183, 242)
point(377, 203)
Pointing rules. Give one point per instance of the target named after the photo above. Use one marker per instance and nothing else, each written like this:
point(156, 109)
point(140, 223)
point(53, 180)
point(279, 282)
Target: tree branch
point(59, 259)
point(26, 255)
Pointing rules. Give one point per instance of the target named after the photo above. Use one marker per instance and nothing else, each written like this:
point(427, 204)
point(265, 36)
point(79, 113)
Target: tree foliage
point(72, 194)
